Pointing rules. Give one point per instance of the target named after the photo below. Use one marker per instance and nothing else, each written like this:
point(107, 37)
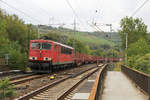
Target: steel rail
point(72, 88)
point(19, 77)
point(44, 88)
point(25, 80)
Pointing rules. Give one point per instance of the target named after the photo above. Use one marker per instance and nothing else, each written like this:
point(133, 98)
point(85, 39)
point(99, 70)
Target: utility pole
point(110, 25)
point(51, 21)
point(112, 41)
point(126, 56)
point(74, 35)
point(38, 31)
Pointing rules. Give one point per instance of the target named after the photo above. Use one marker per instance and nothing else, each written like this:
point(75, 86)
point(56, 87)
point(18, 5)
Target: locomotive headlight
point(33, 58)
point(30, 57)
point(47, 58)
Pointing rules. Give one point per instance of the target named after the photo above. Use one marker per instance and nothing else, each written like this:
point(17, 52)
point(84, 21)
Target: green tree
point(135, 28)
point(79, 46)
point(3, 32)
point(14, 39)
point(98, 52)
point(141, 47)
point(143, 63)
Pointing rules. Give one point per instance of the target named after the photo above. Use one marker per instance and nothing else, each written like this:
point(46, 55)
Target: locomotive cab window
point(66, 50)
point(35, 45)
point(46, 46)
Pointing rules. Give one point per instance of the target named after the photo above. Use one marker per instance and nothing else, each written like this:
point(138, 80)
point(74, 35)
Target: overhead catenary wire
point(20, 11)
point(73, 11)
point(24, 14)
point(86, 22)
point(30, 8)
point(98, 28)
point(76, 15)
point(138, 9)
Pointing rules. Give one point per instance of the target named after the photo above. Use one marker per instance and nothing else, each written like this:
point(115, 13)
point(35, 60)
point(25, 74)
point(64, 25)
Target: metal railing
point(139, 78)
point(97, 87)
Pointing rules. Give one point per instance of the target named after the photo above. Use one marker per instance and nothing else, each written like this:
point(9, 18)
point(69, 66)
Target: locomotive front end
point(40, 56)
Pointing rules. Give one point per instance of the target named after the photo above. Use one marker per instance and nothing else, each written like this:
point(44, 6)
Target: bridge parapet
point(139, 78)
point(97, 87)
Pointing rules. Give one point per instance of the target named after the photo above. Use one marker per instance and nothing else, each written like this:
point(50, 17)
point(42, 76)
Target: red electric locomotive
point(46, 54)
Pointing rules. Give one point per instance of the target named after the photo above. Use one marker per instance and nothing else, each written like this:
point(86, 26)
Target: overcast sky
point(58, 12)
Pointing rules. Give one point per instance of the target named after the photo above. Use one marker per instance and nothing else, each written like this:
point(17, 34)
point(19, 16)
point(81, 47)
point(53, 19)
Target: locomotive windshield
point(35, 45)
point(44, 46)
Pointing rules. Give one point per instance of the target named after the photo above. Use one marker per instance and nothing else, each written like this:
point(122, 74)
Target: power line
point(98, 28)
point(42, 9)
point(74, 12)
point(19, 11)
point(138, 9)
point(29, 7)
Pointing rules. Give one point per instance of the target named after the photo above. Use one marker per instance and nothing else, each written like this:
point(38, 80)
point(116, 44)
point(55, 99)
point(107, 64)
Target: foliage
point(6, 89)
point(112, 53)
point(138, 43)
point(17, 60)
point(79, 46)
point(118, 66)
point(93, 43)
point(55, 36)
point(141, 47)
point(15, 36)
point(135, 28)
point(14, 39)
point(143, 63)
point(95, 40)
point(98, 52)
point(132, 60)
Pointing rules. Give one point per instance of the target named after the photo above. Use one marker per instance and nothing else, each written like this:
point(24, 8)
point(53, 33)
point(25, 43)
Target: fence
point(140, 79)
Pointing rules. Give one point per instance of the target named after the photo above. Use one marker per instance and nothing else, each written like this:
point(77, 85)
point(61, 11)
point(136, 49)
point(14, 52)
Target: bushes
point(14, 39)
point(141, 47)
point(139, 56)
point(138, 43)
point(141, 63)
point(17, 60)
point(6, 89)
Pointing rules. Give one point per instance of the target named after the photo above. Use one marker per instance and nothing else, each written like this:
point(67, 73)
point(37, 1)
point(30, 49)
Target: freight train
point(46, 55)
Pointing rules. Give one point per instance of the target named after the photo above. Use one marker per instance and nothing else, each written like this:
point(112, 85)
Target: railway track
point(56, 88)
point(20, 76)
point(5, 73)
point(24, 79)
point(69, 92)
point(15, 75)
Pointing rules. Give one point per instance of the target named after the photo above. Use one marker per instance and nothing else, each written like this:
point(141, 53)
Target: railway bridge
point(127, 84)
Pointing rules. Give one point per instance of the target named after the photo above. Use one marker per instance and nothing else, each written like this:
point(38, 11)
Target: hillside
point(95, 40)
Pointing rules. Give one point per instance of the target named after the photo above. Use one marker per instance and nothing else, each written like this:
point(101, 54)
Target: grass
point(88, 39)
point(118, 66)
